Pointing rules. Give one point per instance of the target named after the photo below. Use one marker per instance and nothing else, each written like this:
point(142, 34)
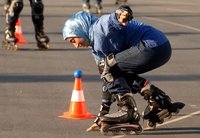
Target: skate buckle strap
point(97, 121)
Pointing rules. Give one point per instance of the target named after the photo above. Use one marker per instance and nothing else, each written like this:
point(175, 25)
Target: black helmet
point(128, 9)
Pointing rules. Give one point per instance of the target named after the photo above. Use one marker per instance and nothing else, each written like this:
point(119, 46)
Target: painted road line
point(173, 23)
point(176, 119)
point(167, 122)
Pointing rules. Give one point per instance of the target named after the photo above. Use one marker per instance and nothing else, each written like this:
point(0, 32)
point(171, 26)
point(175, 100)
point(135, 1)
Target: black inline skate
point(159, 106)
point(42, 40)
point(10, 40)
point(121, 2)
point(86, 7)
point(98, 7)
point(125, 121)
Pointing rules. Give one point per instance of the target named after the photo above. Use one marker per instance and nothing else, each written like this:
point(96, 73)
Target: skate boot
point(121, 2)
point(9, 42)
point(107, 99)
point(159, 105)
point(86, 7)
point(125, 121)
point(98, 7)
point(97, 122)
point(42, 40)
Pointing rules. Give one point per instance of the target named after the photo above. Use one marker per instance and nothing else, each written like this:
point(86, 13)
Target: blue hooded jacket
point(106, 35)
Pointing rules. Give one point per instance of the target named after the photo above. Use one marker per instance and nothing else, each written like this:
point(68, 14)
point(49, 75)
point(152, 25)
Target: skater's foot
point(119, 129)
point(9, 42)
point(158, 116)
point(9, 46)
point(86, 7)
point(43, 46)
point(121, 2)
point(98, 8)
point(42, 41)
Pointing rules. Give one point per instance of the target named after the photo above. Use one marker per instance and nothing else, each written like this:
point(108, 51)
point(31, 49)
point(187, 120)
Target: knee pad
point(107, 97)
point(16, 6)
point(37, 7)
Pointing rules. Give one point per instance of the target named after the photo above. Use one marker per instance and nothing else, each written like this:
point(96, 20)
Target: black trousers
point(137, 60)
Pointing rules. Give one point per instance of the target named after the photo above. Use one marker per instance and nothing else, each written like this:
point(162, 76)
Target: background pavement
point(36, 86)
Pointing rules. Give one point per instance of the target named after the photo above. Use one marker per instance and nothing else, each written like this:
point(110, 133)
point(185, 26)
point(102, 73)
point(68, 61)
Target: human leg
point(98, 6)
point(125, 120)
point(115, 84)
point(86, 6)
point(106, 100)
point(12, 9)
point(160, 105)
point(42, 39)
point(141, 59)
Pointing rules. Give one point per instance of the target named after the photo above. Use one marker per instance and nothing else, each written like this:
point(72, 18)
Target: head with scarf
point(78, 25)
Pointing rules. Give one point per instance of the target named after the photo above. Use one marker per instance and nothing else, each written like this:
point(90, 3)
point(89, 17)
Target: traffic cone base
point(77, 110)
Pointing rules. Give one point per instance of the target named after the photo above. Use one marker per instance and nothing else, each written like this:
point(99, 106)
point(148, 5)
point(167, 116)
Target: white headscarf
point(78, 25)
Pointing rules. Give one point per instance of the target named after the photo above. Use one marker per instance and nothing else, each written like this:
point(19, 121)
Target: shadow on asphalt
point(13, 78)
point(172, 131)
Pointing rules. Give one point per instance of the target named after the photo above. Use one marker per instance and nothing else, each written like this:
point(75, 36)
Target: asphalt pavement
point(36, 86)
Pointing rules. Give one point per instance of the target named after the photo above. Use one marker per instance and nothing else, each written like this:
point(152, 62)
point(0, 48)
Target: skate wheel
point(103, 129)
point(169, 116)
point(161, 121)
point(43, 46)
point(139, 131)
point(9, 46)
point(99, 11)
point(151, 124)
point(177, 111)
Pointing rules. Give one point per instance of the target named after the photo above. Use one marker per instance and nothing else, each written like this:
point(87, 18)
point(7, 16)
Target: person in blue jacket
point(123, 48)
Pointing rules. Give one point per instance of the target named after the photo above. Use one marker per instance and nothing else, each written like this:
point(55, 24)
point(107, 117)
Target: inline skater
point(13, 9)
point(123, 48)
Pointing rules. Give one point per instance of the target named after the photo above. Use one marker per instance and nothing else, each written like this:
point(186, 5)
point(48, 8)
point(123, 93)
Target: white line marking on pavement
point(176, 119)
point(180, 10)
point(173, 23)
point(174, 3)
point(167, 122)
point(118, 136)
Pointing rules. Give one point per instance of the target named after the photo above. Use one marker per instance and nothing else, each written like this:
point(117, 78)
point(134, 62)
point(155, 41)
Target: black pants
point(137, 60)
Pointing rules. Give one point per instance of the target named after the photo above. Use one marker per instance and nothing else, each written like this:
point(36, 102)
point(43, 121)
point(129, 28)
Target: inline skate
point(10, 40)
point(159, 106)
point(86, 7)
point(121, 2)
point(42, 40)
point(98, 7)
point(125, 121)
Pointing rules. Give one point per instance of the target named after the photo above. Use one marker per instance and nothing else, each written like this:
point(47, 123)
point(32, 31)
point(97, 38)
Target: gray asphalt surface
point(36, 86)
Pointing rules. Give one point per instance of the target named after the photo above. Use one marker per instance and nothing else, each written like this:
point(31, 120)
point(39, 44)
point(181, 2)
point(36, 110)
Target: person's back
point(136, 32)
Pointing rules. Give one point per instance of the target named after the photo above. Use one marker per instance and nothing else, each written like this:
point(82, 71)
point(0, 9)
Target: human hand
point(93, 127)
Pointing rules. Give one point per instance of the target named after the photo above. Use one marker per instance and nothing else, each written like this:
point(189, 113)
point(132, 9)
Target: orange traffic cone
point(18, 33)
point(77, 109)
